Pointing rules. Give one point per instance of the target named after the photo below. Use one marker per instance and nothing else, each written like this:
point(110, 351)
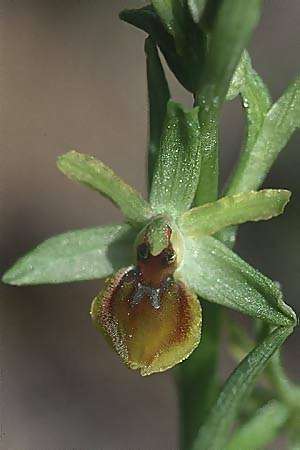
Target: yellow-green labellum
point(152, 320)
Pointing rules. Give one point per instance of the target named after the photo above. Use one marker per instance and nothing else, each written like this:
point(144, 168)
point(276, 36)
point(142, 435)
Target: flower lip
point(154, 294)
point(151, 329)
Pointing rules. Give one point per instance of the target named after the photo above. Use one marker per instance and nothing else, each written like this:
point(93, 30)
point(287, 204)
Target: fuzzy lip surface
point(154, 294)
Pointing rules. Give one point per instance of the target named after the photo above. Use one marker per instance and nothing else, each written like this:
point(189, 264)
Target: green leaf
point(96, 175)
point(218, 275)
point(177, 170)
point(274, 132)
point(213, 434)
point(185, 52)
point(234, 210)
point(196, 8)
point(256, 102)
point(158, 95)
point(233, 25)
point(261, 429)
point(202, 365)
point(75, 256)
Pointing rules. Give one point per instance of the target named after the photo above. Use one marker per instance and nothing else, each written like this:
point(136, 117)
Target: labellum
point(152, 320)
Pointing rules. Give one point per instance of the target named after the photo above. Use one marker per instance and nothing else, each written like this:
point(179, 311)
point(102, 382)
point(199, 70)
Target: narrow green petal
point(157, 83)
point(261, 429)
point(177, 170)
point(213, 434)
point(96, 175)
point(218, 275)
point(263, 148)
point(234, 210)
point(74, 256)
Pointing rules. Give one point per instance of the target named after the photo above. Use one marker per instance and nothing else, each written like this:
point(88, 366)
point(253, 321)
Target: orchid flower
point(164, 257)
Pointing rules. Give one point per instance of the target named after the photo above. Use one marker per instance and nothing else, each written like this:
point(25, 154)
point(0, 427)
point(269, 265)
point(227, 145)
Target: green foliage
point(231, 30)
point(269, 138)
point(213, 434)
point(255, 100)
point(203, 43)
point(261, 429)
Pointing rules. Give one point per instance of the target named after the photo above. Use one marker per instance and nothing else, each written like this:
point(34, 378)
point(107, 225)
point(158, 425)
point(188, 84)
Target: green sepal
point(184, 54)
point(89, 171)
point(177, 169)
point(74, 256)
point(261, 429)
point(269, 137)
point(158, 96)
point(234, 210)
point(208, 185)
point(220, 276)
point(213, 434)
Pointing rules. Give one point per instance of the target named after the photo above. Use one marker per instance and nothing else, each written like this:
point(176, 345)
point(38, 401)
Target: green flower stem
point(197, 378)
point(231, 31)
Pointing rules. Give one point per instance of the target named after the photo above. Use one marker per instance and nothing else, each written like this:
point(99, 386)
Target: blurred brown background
point(73, 76)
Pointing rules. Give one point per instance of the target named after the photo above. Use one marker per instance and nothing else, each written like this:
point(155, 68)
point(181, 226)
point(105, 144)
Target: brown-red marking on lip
point(146, 338)
point(152, 320)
